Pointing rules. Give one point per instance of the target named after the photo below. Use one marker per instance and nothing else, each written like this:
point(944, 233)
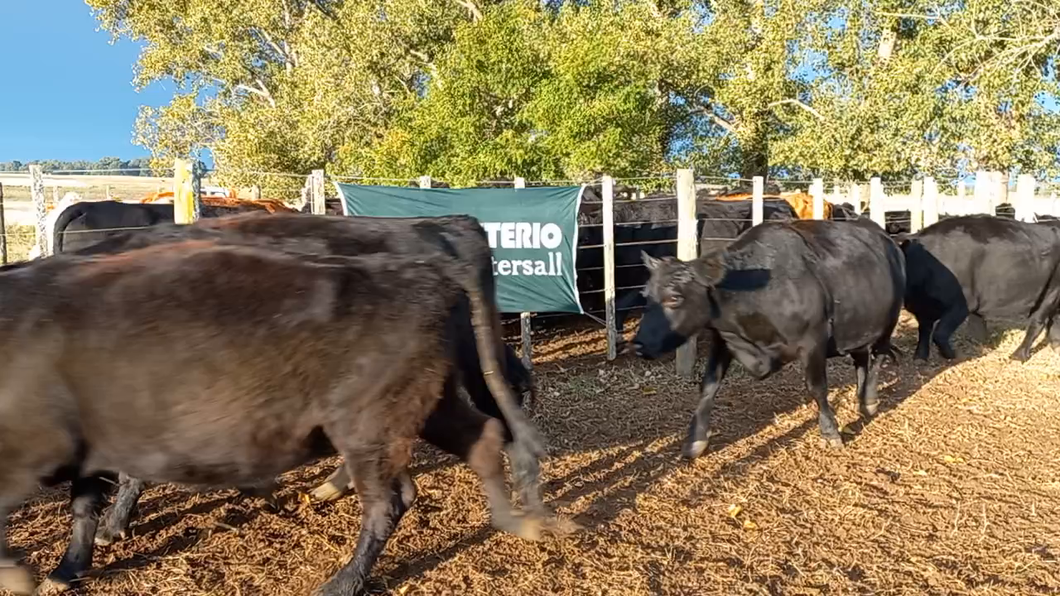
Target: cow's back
point(998, 266)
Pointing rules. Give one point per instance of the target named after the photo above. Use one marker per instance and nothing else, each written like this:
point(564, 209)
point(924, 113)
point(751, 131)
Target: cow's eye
point(672, 301)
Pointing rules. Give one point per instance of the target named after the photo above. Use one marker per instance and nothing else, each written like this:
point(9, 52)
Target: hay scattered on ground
point(953, 489)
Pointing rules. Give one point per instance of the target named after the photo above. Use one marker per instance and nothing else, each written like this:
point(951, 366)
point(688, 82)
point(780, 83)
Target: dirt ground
point(953, 489)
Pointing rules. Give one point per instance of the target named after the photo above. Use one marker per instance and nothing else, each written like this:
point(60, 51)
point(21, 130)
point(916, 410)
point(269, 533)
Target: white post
point(526, 330)
point(981, 193)
point(36, 189)
point(855, 197)
point(758, 191)
point(876, 199)
point(1000, 191)
point(962, 199)
point(1025, 187)
point(817, 192)
point(607, 192)
point(316, 192)
point(687, 250)
point(931, 201)
point(425, 181)
point(916, 206)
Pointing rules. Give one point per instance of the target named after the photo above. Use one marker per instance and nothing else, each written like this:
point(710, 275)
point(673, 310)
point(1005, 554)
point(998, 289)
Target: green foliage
point(467, 90)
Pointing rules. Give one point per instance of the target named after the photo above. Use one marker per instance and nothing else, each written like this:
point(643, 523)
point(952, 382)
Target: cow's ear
point(649, 261)
point(709, 269)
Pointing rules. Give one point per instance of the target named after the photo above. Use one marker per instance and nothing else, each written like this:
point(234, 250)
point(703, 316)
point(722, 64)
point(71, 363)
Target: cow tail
point(524, 433)
point(888, 351)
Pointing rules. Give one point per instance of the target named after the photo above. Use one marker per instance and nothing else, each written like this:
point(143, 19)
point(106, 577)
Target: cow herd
point(229, 351)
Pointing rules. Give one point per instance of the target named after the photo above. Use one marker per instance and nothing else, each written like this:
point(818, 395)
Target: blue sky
point(67, 93)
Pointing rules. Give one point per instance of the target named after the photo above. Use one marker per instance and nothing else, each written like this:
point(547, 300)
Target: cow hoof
point(106, 537)
point(869, 410)
point(1019, 356)
point(525, 527)
point(947, 352)
point(50, 587)
point(694, 449)
point(17, 580)
point(561, 526)
point(327, 492)
point(832, 442)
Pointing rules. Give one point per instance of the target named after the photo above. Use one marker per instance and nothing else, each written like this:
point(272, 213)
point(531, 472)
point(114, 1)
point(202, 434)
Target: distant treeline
point(104, 167)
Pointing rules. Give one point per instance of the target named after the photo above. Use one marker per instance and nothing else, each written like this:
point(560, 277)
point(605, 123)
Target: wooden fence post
point(316, 191)
point(916, 207)
point(425, 181)
point(855, 197)
point(607, 193)
point(876, 200)
point(817, 192)
point(758, 191)
point(526, 329)
point(962, 199)
point(36, 188)
point(255, 193)
point(687, 250)
point(3, 229)
point(931, 201)
point(183, 194)
point(1025, 208)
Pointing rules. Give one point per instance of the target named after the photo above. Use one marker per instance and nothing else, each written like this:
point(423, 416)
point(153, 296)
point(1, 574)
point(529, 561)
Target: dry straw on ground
point(953, 489)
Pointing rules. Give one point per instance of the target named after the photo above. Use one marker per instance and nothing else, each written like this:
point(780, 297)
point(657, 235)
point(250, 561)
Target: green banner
point(532, 231)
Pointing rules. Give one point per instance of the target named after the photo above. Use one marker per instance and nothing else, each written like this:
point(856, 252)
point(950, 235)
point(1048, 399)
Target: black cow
point(805, 290)
point(455, 235)
point(86, 223)
point(360, 357)
point(654, 222)
point(986, 266)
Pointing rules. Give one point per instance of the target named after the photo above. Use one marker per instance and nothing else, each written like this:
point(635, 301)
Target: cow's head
point(678, 301)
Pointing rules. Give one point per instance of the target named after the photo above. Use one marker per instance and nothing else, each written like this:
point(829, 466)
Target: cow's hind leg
point(1038, 320)
point(868, 399)
point(924, 326)
point(817, 383)
point(699, 428)
point(115, 523)
point(87, 499)
point(477, 439)
point(947, 325)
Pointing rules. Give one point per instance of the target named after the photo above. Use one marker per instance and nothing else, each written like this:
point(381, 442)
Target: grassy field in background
point(19, 241)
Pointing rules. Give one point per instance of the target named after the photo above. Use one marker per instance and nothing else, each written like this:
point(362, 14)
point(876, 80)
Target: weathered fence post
point(876, 200)
point(184, 203)
point(36, 188)
point(526, 328)
point(316, 190)
point(855, 197)
point(425, 181)
point(758, 191)
point(255, 193)
point(817, 192)
point(916, 206)
point(607, 194)
point(3, 229)
point(962, 198)
point(1025, 208)
point(687, 250)
point(931, 201)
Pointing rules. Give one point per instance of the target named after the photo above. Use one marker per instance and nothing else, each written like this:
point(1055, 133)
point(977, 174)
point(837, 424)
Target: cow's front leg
point(699, 428)
point(87, 499)
point(817, 384)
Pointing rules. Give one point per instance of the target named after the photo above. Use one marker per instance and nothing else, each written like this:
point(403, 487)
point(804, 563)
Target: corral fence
point(612, 226)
